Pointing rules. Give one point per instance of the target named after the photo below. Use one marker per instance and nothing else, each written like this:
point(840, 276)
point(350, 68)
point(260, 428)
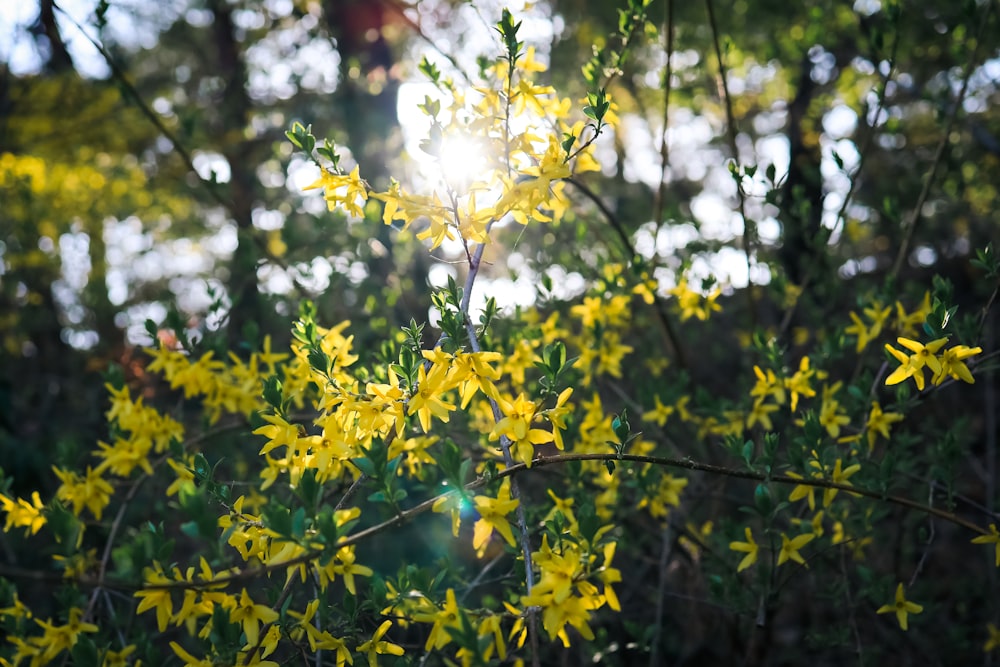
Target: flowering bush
point(511, 485)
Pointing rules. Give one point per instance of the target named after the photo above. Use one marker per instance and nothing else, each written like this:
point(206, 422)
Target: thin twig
point(661, 590)
point(852, 618)
point(661, 189)
point(505, 443)
point(538, 463)
point(661, 313)
point(749, 228)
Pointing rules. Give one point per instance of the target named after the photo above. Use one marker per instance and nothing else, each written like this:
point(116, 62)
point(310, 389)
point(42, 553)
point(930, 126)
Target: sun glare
point(463, 160)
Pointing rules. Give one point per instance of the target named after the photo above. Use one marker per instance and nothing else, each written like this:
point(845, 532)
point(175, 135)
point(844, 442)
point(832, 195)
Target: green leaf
point(748, 448)
point(84, 652)
point(201, 468)
point(299, 523)
point(568, 140)
point(762, 500)
point(272, 392)
point(366, 465)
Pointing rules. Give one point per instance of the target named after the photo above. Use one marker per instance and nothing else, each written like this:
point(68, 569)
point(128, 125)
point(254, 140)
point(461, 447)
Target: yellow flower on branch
point(798, 384)
point(840, 476)
point(902, 607)
point(912, 365)
point(907, 324)
point(190, 660)
point(278, 432)
point(58, 638)
point(867, 333)
point(91, 491)
point(516, 425)
point(880, 423)
point(693, 304)
point(660, 413)
point(790, 548)
point(473, 372)
point(750, 548)
point(993, 538)
point(761, 414)
point(831, 416)
point(22, 514)
point(345, 566)
point(993, 641)
point(610, 575)
point(667, 495)
point(250, 616)
point(427, 402)
point(493, 516)
point(953, 364)
point(803, 490)
point(343, 190)
point(557, 416)
point(767, 385)
point(448, 616)
point(377, 646)
point(156, 598)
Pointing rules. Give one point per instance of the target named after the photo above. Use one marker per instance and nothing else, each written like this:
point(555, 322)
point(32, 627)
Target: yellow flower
point(879, 423)
point(347, 568)
point(692, 304)
point(761, 414)
point(768, 385)
point(341, 189)
point(953, 364)
point(427, 402)
point(473, 372)
point(442, 619)
point(250, 616)
point(278, 432)
point(492, 515)
point(830, 414)
point(902, 607)
point(156, 598)
point(750, 548)
point(913, 365)
point(877, 316)
point(59, 638)
point(23, 514)
point(993, 642)
point(375, 646)
point(803, 491)
point(992, 538)
point(798, 384)
point(610, 575)
point(907, 324)
point(118, 658)
point(189, 660)
point(839, 477)
point(92, 491)
point(659, 414)
point(790, 548)
point(557, 416)
point(516, 425)
point(668, 494)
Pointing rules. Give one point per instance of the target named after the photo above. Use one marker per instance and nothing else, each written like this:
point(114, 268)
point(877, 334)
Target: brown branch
point(541, 462)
